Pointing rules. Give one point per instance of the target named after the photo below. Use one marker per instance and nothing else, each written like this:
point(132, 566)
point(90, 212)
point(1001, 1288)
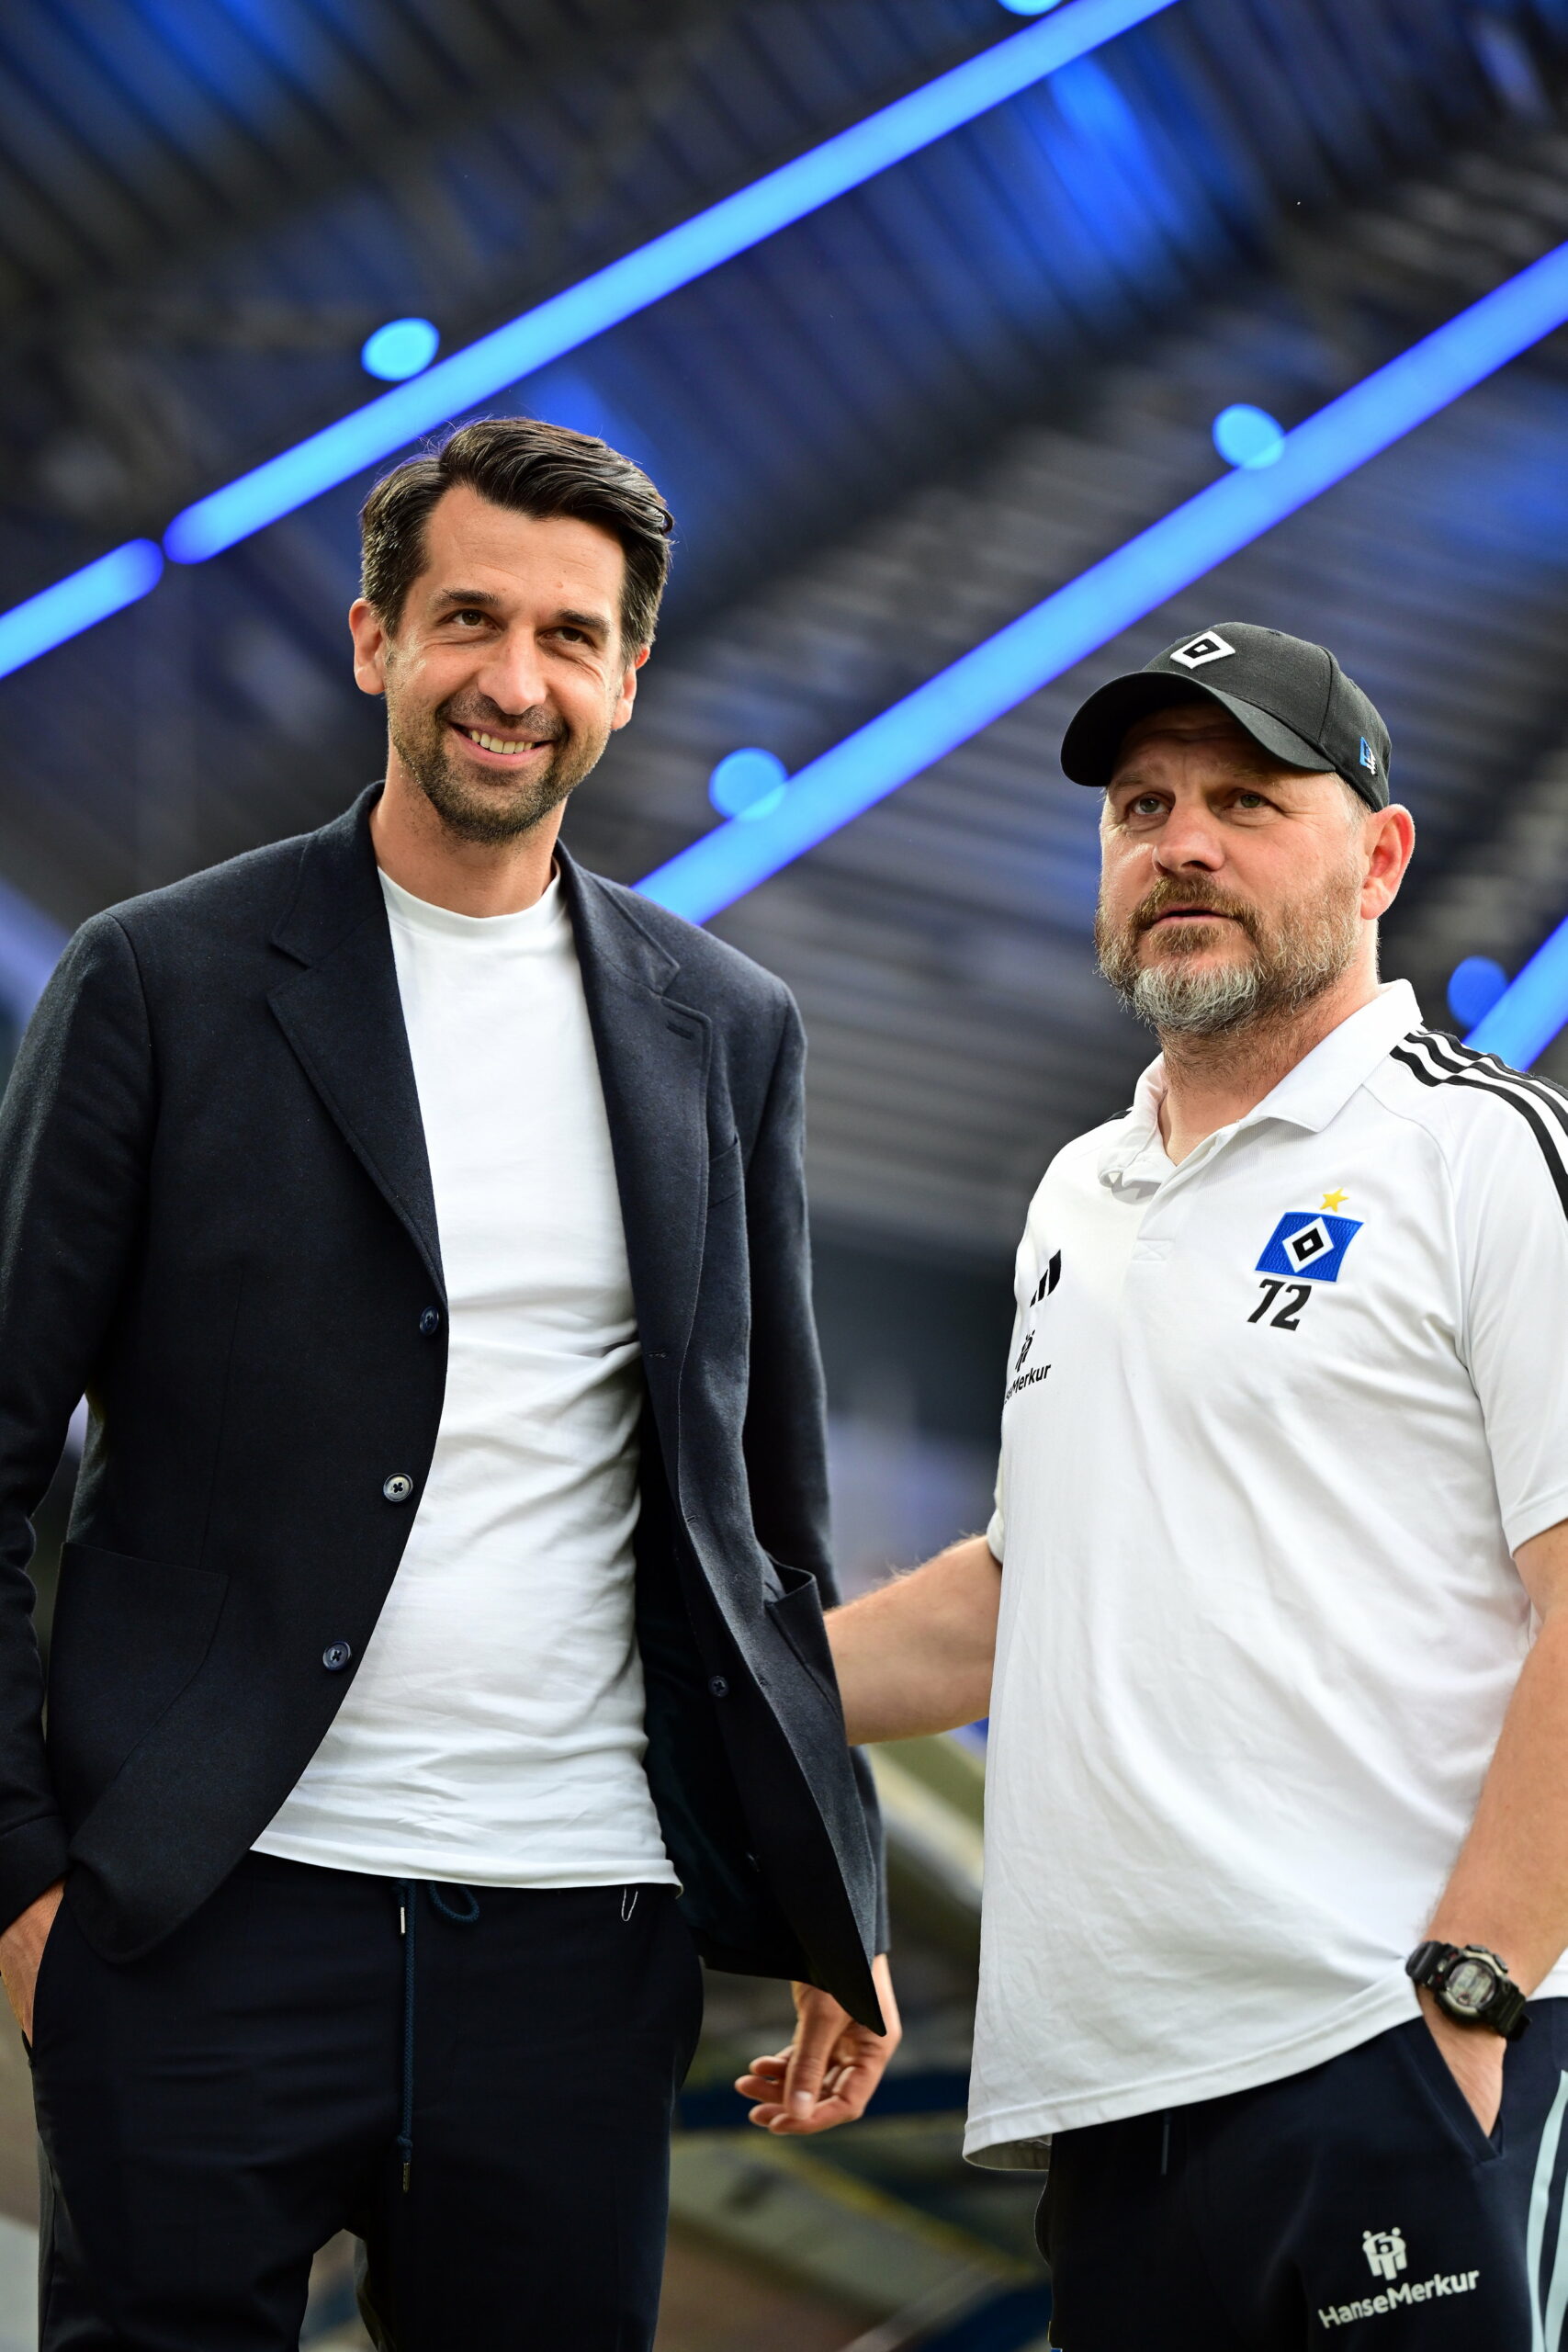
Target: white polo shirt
point(1275, 1420)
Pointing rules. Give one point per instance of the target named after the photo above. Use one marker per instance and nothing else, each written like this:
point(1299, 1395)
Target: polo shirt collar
point(1308, 1096)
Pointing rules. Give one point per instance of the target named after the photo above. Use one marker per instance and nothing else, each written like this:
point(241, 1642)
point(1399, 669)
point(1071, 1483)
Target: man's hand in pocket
point(21, 1949)
point(1474, 2057)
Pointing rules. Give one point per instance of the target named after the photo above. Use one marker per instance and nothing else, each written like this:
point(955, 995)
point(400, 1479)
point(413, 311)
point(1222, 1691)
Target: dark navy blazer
point(216, 1219)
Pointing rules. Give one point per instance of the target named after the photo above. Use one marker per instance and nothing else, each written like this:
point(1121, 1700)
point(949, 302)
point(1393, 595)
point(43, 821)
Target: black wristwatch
point(1469, 1985)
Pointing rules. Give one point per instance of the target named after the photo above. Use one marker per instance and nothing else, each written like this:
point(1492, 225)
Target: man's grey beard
point(475, 814)
point(1307, 951)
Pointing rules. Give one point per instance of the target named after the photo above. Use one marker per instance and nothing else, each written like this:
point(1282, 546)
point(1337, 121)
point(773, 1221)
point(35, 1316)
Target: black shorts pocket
point(1434, 2082)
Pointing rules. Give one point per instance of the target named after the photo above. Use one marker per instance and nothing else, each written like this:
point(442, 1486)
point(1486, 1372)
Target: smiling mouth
point(499, 746)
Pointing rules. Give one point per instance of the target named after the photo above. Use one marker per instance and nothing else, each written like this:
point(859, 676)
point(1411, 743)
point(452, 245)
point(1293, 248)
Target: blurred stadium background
point(887, 429)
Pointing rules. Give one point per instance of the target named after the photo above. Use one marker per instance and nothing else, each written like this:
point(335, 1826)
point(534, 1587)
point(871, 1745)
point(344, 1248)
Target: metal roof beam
point(575, 316)
point(1005, 669)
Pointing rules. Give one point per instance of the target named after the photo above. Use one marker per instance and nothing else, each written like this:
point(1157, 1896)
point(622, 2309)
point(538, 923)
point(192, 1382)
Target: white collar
point(1308, 1096)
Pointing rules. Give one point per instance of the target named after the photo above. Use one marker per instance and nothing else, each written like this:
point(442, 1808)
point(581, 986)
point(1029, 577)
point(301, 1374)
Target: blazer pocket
point(797, 1611)
point(726, 1172)
point(129, 1635)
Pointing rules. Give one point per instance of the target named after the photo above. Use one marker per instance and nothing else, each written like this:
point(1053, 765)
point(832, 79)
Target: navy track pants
point(1357, 2206)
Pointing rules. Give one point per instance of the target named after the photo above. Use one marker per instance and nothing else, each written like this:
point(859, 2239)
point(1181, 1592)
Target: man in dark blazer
point(438, 1661)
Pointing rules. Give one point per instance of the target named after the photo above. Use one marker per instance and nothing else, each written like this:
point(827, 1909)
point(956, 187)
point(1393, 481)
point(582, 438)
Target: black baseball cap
point(1291, 697)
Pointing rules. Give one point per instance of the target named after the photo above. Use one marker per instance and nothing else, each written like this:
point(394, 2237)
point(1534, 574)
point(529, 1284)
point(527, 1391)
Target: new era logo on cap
point(1368, 757)
point(1210, 647)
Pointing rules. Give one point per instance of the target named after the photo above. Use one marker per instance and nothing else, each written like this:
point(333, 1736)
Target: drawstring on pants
point(408, 1910)
point(1165, 2144)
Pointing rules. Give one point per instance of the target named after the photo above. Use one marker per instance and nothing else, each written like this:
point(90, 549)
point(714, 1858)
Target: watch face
point(1470, 1986)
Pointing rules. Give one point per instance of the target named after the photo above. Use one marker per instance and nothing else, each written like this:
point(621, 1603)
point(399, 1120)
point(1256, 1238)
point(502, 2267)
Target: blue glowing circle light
point(402, 347)
point(1475, 985)
point(1031, 7)
point(1246, 435)
point(748, 783)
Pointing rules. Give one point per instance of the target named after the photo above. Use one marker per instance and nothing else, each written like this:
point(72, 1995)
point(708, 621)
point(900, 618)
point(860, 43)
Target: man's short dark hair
point(532, 468)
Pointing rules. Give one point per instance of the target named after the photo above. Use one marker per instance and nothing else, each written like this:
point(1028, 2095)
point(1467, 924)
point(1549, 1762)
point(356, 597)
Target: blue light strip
point(1531, 1008)
point(574, 317)
point(30, 946)
point(1114, 593)
point(645, 276)
point(77, 602)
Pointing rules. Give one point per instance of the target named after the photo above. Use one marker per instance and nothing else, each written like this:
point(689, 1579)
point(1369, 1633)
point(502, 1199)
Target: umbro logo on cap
point(1210, 647)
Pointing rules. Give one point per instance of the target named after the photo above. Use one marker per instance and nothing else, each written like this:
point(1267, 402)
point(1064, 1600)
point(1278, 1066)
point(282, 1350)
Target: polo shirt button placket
point(398, 1487)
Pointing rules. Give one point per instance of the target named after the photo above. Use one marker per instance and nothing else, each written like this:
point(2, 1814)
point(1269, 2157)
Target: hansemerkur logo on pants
point(1385, 2250)
point(1387, 2257)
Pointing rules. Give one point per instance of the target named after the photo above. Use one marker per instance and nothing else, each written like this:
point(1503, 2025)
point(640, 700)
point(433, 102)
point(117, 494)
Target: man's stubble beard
point(1293, 963)
point(474, 813)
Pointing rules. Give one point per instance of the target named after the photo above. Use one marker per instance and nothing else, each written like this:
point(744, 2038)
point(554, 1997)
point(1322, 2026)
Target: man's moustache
point(1149, 914)
point(538, 729)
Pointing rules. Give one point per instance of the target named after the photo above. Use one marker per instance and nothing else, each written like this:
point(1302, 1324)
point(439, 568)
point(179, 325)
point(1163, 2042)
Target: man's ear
point(628, 687)
point(1393, 840)
point(372, 643)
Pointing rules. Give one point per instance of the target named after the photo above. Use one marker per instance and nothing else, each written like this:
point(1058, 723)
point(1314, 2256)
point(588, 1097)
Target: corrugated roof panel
point(885, 432)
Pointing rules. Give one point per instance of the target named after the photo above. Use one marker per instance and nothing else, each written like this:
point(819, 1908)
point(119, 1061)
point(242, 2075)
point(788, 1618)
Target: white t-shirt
point(1275, 1420)
point(493, 1733)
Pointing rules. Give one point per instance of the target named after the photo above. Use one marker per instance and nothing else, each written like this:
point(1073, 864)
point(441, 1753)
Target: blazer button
point(430, 1322)
point(719, 1687)
point(398, 1487)
point(336, 1656)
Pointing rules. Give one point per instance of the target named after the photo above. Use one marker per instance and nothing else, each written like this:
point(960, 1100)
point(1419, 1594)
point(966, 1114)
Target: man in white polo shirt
point(1280, 1708)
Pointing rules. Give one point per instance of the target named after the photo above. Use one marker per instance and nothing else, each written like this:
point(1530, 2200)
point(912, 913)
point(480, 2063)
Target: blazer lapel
point(344, 1017)
point(653, 1061)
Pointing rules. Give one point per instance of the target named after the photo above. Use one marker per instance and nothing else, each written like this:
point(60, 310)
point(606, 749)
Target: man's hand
point(1475, 2058)
point(830, 2068)
point(21, 1949)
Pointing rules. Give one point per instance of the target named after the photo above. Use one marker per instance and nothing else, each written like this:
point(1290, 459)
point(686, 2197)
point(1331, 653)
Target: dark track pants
point(210, 2115)
point(1357, 2206)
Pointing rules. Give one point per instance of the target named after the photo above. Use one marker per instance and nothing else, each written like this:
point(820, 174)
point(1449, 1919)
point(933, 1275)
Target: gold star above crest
point(1334, 1200)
